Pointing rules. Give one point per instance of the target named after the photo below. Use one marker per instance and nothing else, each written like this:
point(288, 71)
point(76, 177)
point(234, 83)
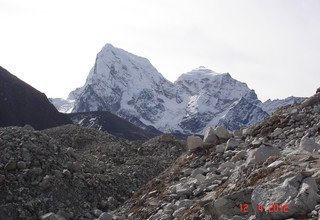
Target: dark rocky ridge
point(113, 124)
point(73, 171)
point(21, 104)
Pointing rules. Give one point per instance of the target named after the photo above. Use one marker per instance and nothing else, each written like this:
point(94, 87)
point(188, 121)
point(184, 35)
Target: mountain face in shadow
point(108, 122)
point(21, 104)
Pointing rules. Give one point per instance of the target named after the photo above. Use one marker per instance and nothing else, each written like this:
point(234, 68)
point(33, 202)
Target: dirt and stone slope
point(75, 172)
point(268, 171)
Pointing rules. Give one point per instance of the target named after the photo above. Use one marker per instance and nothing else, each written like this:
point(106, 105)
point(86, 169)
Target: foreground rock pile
point(71, 172)
point(269, 171)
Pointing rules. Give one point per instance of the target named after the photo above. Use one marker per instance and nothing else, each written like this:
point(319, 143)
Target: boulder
point(220, 148)
point(238, 133)
point(229, 205)
point(222, 133)
point(232, 144)
point(193, 142)
point(276, 132)
point(261, 154)
point(52, 216)
point(11, 165)
point(313, 100)
point(300, 195)
point(308, 144)
point(105, 216)
point(210, 136)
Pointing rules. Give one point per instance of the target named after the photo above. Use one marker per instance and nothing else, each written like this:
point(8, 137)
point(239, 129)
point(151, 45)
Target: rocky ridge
point(74, 172)
point(267, 171)
point(21, 104)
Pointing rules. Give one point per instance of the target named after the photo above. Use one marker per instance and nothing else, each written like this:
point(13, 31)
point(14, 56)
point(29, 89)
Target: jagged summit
point(131, 87)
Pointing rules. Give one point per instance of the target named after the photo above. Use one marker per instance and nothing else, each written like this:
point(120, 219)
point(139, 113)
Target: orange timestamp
point(244, 208)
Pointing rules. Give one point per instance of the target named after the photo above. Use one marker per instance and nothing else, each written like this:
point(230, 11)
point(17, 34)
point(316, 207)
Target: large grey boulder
point(210, 136)
point(261, 154)
point(232, 144)
point(193, 142)
point(300, 196)
point(222, 133)
point(308, 144)
point(105, 216)
point(229, 205)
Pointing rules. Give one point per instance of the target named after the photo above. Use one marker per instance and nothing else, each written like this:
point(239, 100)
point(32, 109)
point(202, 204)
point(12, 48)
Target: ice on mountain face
point(210, 97)
point(62, 105)
point(130, 87)
point(271, 106)
point(127, 85)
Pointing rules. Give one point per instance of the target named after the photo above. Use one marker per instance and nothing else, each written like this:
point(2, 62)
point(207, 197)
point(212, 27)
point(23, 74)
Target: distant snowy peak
point(200, 72)
point(127, 85)
point(62, 105)
point(271, 106)
point(215, 86)
point(130, 87)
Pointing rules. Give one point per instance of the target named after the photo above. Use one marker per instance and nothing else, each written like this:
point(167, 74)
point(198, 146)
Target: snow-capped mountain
point(127, 85)
point(130, 87)
point(62, 105)
point(210, 97)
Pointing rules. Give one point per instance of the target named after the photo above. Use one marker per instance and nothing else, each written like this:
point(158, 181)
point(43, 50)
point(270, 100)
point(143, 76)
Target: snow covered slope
point(130, 87)
point(63, 105)
point(271, 106)
point(210, 97)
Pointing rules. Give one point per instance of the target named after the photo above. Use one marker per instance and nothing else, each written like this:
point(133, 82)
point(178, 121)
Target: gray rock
point(74, 166)
point(257, 142)
point(229, 204)
point(197, 171)
point(179, 212)
point(2, 178)
point(28, 127)
point(183, 190)
point(220, 148)
point(105, 216)
point(11, 165)
point(222, 133)
point(210, 136)
point(201, 178)
point(239, 156)
point(308, 144)
point(232, 144)
point(238, 134)
point(247, 131)
point(276, 132)
point(71, 152)
point(193, 142)
point(52, 216)
point(183, 203)
point(97, 212)
point(21, 165)
point(300, 195)
point(227, 164)
point(261, 154)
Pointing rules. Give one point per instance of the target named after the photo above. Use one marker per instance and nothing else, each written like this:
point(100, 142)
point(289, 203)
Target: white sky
point(272, 45)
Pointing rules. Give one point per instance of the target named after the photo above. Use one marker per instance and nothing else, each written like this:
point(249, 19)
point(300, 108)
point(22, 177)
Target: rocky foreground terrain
point(268, 171)
point(75, 172)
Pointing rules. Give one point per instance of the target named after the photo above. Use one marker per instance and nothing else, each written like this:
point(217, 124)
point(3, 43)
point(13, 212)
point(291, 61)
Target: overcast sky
point(272, 45)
